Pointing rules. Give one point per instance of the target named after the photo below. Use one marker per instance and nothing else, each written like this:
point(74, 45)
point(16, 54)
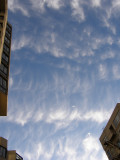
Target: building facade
point(3, 23)
point(4, 70)
point(110, 137)
point(5, 154)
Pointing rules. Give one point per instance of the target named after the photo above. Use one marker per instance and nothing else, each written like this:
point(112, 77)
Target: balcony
point(18, 157)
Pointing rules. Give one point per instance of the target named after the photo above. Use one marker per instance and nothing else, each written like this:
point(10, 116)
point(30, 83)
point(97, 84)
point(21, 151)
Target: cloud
point(107, 23)
point(115, 7)
point(60, 117)
point(88, 144)
point(77, 10)
point(15, 5)
point(69, 147)
point(40, 5)
point(90, 151)
point(108, 55)
point(116, 72)
point(96, 3)
point(97, 116)
point(11, 82)
point(20, 42)
point(102, 72)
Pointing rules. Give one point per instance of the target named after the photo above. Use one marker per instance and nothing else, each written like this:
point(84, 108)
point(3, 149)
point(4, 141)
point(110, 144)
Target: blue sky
point(64, 77)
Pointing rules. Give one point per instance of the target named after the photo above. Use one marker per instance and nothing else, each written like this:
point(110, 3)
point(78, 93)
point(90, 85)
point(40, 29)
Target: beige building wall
point(110, 137)
point(11, 155)
point(3, 144)
point(5, 154)
point(3, 22)
point(4, 71)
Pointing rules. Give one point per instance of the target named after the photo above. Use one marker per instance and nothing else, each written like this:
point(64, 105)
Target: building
point(5, 154)
point(110, 137)
point(3, 23)
point(4, 70)
point(5, 52)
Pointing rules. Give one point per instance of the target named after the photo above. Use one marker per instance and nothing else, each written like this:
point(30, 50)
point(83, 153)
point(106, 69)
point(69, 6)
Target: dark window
point(7, 40)
point(6, 48)
point(3, 152)
point(117, 119)
point(8, 34)
point(5, 57)
point(118, 143)
point(3, 82)
point(109, 155)
point(8, 28)
point(3, 68)
point(1, 25)
point(1, 17)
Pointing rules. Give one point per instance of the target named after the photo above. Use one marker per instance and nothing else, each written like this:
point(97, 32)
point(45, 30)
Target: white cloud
point(20, 42)
point(110, 40)
point(115, 6)
point(107, 24)
point(116, 72)
point(102, 72)
point(61, 117)
point(110, 54)
point(77, 10)
point(56, 4)
point(91, 148)
point(14, 5)
point(39, 5)
point(11, 82)
point(96, 3)
point(98, 116)
point(88, 144)
point(67, 148)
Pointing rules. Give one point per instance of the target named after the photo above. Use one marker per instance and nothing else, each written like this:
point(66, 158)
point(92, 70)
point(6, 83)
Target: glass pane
point(4, 152)
point(6, 58)
point(1, 67)
point(1, 81)
point(5, 70)
point(0, 151)
point(4, 83)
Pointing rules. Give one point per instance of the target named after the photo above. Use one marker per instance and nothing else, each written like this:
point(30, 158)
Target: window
point(5, 57)
point(8, 34)
point(3, 82)
point(6, 48)
point(109, 155)
point(3, 68)
point(1, 25)
point(118, 143)
point(117, 119)
point(8, 28)
point(3, 152)
point(1, 17)
point(7, 40)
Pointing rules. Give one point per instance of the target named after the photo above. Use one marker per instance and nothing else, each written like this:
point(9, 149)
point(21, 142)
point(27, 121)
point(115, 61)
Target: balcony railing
point(18, 157)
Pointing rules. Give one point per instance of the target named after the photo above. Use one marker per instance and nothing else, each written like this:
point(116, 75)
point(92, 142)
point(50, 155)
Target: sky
point(64, 77)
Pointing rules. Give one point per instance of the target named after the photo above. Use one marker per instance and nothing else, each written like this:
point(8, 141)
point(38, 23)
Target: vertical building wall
point(11, 155)
point(5, 154)
point(4, 71)
point(3, 22)
point(3, 148)
point(110, 137)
